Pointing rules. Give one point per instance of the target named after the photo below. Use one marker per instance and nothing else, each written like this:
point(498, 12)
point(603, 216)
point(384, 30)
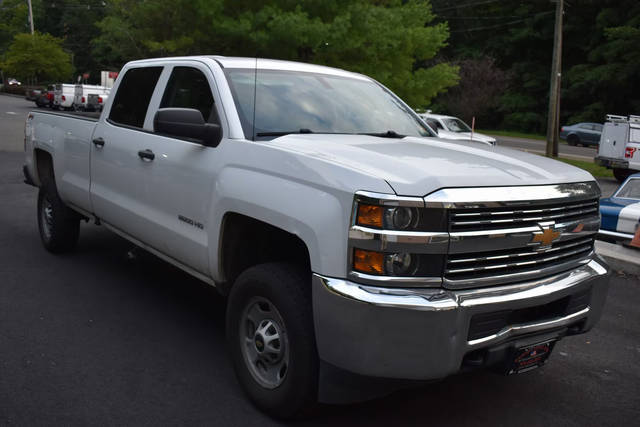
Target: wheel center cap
point(259, 343)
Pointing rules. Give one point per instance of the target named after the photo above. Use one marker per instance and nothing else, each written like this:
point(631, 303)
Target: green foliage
point(393, 41)
point(13, 20)
point(37, 57)
point(600, 61)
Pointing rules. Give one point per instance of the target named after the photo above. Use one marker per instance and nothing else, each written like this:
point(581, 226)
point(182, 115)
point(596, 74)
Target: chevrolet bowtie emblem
point(546, 236)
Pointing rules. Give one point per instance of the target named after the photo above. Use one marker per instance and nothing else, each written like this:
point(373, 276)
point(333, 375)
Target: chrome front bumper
point(421, 334)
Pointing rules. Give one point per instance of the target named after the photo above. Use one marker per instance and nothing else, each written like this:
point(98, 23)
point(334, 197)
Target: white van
point(82, 92)
point(63, 94)
point(619, 147)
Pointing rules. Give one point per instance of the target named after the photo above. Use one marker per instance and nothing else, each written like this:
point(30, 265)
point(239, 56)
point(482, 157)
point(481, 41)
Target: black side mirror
point(187, 123)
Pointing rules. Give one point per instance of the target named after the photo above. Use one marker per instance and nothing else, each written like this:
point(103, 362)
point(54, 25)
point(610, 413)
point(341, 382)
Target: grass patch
point(592, 168)
point(513, 134)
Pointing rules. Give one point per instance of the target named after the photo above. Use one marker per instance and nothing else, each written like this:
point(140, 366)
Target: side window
point(133, 96)
point(188, 88)
point(585, 126)
point(598, 128)
point(433, 124)
point(439, 125)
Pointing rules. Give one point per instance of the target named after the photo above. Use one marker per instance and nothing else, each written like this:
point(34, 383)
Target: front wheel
point(59, 226)
point(271, 338)
point(573, 140)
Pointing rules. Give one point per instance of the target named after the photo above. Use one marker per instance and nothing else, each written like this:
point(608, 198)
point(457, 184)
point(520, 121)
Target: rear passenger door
point(117, 167)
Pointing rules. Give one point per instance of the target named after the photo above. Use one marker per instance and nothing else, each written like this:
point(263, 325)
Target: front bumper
point(423, 334)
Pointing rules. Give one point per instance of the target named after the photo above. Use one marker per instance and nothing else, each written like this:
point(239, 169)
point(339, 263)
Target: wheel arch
point(246, 241)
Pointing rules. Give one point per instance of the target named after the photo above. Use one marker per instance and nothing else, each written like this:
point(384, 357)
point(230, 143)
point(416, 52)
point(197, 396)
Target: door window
point(188, 88)
point(133, 96)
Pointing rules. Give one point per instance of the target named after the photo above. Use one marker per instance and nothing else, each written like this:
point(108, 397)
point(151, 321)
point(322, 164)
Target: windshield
point(302, 102)
point(631, 189)
point(456, 125)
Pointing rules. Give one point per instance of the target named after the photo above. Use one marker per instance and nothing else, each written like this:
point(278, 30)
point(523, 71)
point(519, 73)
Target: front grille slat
point(493, 263)
point(462, 221)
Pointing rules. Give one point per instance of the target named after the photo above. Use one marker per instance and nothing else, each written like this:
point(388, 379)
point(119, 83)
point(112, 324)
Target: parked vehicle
point(63, 95)
point(33, 94)
point(82, 93)
point(348, 239)
point(585, 134)
point(450, 127)
point(96, 102)
point(619, 147)
point(46, 98)
point(621, 212)
point(13, 82)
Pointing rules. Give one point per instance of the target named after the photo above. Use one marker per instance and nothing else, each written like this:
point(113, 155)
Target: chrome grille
point(491, 264)
point(488, 218)
point(499, 244)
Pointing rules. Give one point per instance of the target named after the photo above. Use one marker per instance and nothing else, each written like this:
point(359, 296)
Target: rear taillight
point(64, 98)
point(83, 99)
point(562, 129)
point(99, 100)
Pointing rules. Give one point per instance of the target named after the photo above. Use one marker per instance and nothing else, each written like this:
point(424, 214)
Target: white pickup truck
point(350, 241)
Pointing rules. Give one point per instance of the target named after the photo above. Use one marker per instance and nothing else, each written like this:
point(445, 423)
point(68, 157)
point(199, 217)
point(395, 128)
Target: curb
point(619, 258)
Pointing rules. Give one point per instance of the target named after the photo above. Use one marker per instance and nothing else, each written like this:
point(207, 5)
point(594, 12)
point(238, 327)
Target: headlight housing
point(397, 241)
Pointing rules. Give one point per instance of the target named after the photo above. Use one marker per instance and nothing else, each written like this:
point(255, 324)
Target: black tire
point(59, 225)
point(622, 174)
point(288, 288)
point(573, 140)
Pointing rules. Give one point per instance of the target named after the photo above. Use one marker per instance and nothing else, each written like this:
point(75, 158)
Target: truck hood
point(418, 166)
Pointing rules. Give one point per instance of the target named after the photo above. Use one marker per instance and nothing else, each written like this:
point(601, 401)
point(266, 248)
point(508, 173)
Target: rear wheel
point(271, 338)
point(59, 226)
point(573, 140)
point(622, 174)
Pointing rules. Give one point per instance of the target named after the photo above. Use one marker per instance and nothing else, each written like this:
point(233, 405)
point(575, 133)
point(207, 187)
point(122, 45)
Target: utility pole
point(553, 118)
point(30, 16)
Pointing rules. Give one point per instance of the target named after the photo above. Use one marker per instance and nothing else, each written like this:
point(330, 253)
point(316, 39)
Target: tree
point(38, 57)
point(393, 41)
point(481, 87)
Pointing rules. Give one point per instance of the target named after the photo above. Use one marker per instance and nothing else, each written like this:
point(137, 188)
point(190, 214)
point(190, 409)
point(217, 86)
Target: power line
point(462, 6)
point(504, 24)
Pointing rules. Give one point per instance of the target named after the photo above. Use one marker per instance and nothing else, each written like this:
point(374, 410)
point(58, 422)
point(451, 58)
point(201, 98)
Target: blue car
point(621, 212)
point(582, 134)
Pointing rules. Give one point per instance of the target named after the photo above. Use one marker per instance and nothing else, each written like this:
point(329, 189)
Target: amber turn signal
point(369, 262)
point(370, 215)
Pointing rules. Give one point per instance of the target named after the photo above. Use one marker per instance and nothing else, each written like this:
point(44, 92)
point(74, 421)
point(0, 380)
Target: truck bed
point(85, 115)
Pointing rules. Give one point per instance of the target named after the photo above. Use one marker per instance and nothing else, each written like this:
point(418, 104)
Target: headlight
point(393, 218)
point(397, 264)
point(397, 240)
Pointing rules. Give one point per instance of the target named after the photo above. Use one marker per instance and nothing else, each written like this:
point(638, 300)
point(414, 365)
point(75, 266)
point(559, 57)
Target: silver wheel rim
point(47, 217)
point(264, 343)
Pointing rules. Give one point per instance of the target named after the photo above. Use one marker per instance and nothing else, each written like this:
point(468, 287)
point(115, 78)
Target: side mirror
point(187, 123)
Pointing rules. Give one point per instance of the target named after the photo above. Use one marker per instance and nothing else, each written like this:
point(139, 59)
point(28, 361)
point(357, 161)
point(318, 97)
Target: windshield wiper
point(387, 134)
point(284, 132)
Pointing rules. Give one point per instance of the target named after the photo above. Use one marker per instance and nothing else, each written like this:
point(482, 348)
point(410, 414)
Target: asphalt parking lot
point(99, 337)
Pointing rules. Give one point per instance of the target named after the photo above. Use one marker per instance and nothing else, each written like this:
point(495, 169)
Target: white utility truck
point(83, 92)
point(63, 95)
point(350, 241)
point(619, 147)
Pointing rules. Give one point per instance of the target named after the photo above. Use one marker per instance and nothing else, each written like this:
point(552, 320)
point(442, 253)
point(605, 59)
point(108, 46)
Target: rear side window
point(133, 96)
point(188, 88)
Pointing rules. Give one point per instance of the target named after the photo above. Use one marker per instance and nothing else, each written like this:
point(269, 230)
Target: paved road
point(537, 146)
point(96, 338)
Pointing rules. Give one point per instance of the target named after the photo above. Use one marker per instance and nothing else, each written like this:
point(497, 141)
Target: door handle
point(98, 142)
point(146, 155)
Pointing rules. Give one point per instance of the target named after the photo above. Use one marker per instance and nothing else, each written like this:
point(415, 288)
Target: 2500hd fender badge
point(191, 222)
